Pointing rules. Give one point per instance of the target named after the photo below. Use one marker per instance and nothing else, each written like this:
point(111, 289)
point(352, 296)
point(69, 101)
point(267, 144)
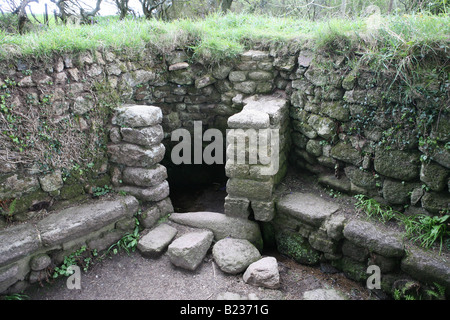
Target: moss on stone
point(297, 247)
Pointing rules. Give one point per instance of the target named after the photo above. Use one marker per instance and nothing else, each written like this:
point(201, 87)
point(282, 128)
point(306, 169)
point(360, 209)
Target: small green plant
point(15, 296)
point(374, 209)
point(427, 230)
point(128, 242)
point(76, 258)
point(101, 191)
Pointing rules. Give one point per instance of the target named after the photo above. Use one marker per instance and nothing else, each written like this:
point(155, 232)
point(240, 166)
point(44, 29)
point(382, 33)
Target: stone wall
point(346, 126)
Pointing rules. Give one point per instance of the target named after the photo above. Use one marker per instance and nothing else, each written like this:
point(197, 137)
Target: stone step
point(189, 250)
point(222, 226)
point(156, 241)
point(308, 208)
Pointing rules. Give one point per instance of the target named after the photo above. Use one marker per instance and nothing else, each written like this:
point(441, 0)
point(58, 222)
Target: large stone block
point(221, 225)
point(156, 193)
point(136, 156)
point(144, 177)
point(365, 234)
point(134, 116)
point(189, 250)
point(155, 242)
point(71, 223)
point(397, 164)
point(306, 207)
point(17, 242)
point(250, 189)
point(146, 136)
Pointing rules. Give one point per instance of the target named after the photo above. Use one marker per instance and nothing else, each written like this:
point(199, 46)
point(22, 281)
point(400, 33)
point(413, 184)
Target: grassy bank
point(219, 37)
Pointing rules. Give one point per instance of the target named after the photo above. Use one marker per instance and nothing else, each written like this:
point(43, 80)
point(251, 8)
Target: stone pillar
point(263, 124)
point(135, 152)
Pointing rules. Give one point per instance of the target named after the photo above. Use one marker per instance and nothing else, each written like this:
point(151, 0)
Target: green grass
point(219, 37)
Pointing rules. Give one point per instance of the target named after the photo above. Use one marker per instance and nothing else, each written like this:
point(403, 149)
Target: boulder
point(234, 255)
point(189, 250)
point(263, 273)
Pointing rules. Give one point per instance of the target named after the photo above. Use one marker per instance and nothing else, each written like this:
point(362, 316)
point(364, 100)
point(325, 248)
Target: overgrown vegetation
point(422, 229)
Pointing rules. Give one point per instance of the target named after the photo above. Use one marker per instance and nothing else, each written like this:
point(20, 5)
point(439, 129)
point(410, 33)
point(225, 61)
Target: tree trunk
point(226, 5)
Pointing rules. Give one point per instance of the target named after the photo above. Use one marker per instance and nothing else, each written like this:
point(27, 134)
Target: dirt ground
point(133, 277)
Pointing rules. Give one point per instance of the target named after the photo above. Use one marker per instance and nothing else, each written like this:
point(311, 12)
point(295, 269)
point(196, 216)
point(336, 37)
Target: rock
point(40, 262)
point(314, 148)
point(221, 225)
point(134, 116)
point(17, 242)
point(136, 156)
point(178, 66)
point(322, 294)
point(365, 234)
point(250, 189)
point(237, 207)
point(249, 120)
point(156, 240)
point(69, 224)
point(237, 76)
point(426, 267)
point(263, 210)
point(396, 192)
point(334, 226)
point(435, 202)
point(182, 76)
point(149, 194)
point(204, 81)
point(434, 175)
point(51, 182)
point(325, 127)
point(320, 241)
point(144, 177)
point(361, 178)
point(14, 186)
point(146, 137)
point(397, 164)
point(82, 105)
point(247, 87)
point(234, 255)
point(263, 273)
point(308, 208)
point(220, 72)
point(345, 152)
point(189, 250)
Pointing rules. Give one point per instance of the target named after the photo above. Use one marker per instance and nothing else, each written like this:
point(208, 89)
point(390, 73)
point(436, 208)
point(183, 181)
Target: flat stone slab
point(263, 273)
point(365, 234)
point(250, 119)
point(17, 242)
point(322, 294)
point(71, 223)
point(308, 208)
point(234, 255)
point(221, 225)
point(275, 106)
point(189, 250)
point(426, 267)
point(156, 240)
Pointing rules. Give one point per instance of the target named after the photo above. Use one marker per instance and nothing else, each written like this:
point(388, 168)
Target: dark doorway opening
point(195, 187)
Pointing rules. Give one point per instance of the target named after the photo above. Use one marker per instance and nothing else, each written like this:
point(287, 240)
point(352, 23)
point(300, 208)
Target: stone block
point(134, 116)
point(155, 242)
point(188, 251)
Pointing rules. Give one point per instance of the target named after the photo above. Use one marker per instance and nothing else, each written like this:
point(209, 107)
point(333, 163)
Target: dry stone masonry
point(334, 118)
